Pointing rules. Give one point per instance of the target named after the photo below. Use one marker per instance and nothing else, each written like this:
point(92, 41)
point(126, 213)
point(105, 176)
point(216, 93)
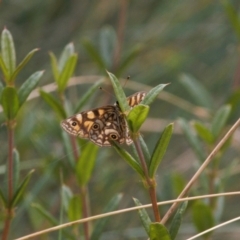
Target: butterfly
point(104, 124)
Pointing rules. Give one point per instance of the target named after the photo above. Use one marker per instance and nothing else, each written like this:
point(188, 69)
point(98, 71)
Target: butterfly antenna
point(106, 91)
point(128, 77)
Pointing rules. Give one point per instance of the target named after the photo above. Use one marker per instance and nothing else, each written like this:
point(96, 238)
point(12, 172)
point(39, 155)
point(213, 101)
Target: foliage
point(71, 175)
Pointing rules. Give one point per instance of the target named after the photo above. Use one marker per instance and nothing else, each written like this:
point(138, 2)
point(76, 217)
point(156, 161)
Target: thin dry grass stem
point(168, 97)
point(214, 228)
point(200, 170)
point(123, 211)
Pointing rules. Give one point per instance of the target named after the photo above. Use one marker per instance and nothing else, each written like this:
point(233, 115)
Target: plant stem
point(151, 184)
point(85, 208)
point(7, 224)
point(83, 191)
point(200, 170)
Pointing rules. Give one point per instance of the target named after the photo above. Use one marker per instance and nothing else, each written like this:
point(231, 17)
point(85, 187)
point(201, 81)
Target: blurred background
point(193, 45)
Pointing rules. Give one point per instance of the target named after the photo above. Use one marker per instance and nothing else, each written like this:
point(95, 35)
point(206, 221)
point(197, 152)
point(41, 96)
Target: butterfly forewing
point(102, 125)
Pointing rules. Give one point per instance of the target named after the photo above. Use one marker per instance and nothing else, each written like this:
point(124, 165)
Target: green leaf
point(67, 52)
point(85, 98)
point(3, 199)
point(152, 94)
point(157, 231)
point(23, 63)
point(10, 102)
point(177, 220)
point(146, 221)
point(129, 58)
point(178, 183)
point(69, 149)
point(51, 219)
point(202, 217)
point(233, 16)
point(54, 65)
point(66, 195)
point(86, 163)
point(8, 52)
point(28, 86)
point(107, 41)
point(52, 102)
point(46, 214)
point(145, 149)
point(203, 132)
point(101, 223)
point(94, 54)
point(198, 92)
point(137, 116)
point(1, 91)
point(4, 69)
point(129, 159)
point(67, 72)
point(220, 120)
point(75, 208)
point(16, 169)
point(160, 150)
point(20, 190)
point(120, 95)
point(192, 139)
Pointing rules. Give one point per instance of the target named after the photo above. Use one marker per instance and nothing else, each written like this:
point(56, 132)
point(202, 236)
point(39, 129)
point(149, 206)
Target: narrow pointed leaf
point(233, 16)
point(1, 90)
point(128, 59)
point(19, 192)
point(101, 223)
point(108, 40)
point(160, 150)
point(52, 102)
point(157, 231)
point(145, 149)
point(203, 132)
point(198, 92)
point(86, 163)
point(177, 220)
point(67, 52)
point(137, 117)
point(67, 72)
point(4, 69)
point(94, 54)
point(75, 208)
point(52, 220)
point(192, 139)
point(10, 102)
point(28, 86)
point(85, 98)
point(8, 51)
point(68, 147)
point(66, 195)
point(46, 214)
point(23, 63)
point(54, 65)
point(16, 169)
point(3, 199)
point(129, 159)
point(220, 119)
point(153, 93)
point(146, 221)
point(120, 95)
point(202, 217)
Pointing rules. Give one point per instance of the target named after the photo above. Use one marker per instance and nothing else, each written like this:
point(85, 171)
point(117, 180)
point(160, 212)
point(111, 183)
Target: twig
point(200, 170)
point(122, 211)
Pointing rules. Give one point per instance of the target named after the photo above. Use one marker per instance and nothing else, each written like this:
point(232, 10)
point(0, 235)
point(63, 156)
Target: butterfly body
point(104, 124)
